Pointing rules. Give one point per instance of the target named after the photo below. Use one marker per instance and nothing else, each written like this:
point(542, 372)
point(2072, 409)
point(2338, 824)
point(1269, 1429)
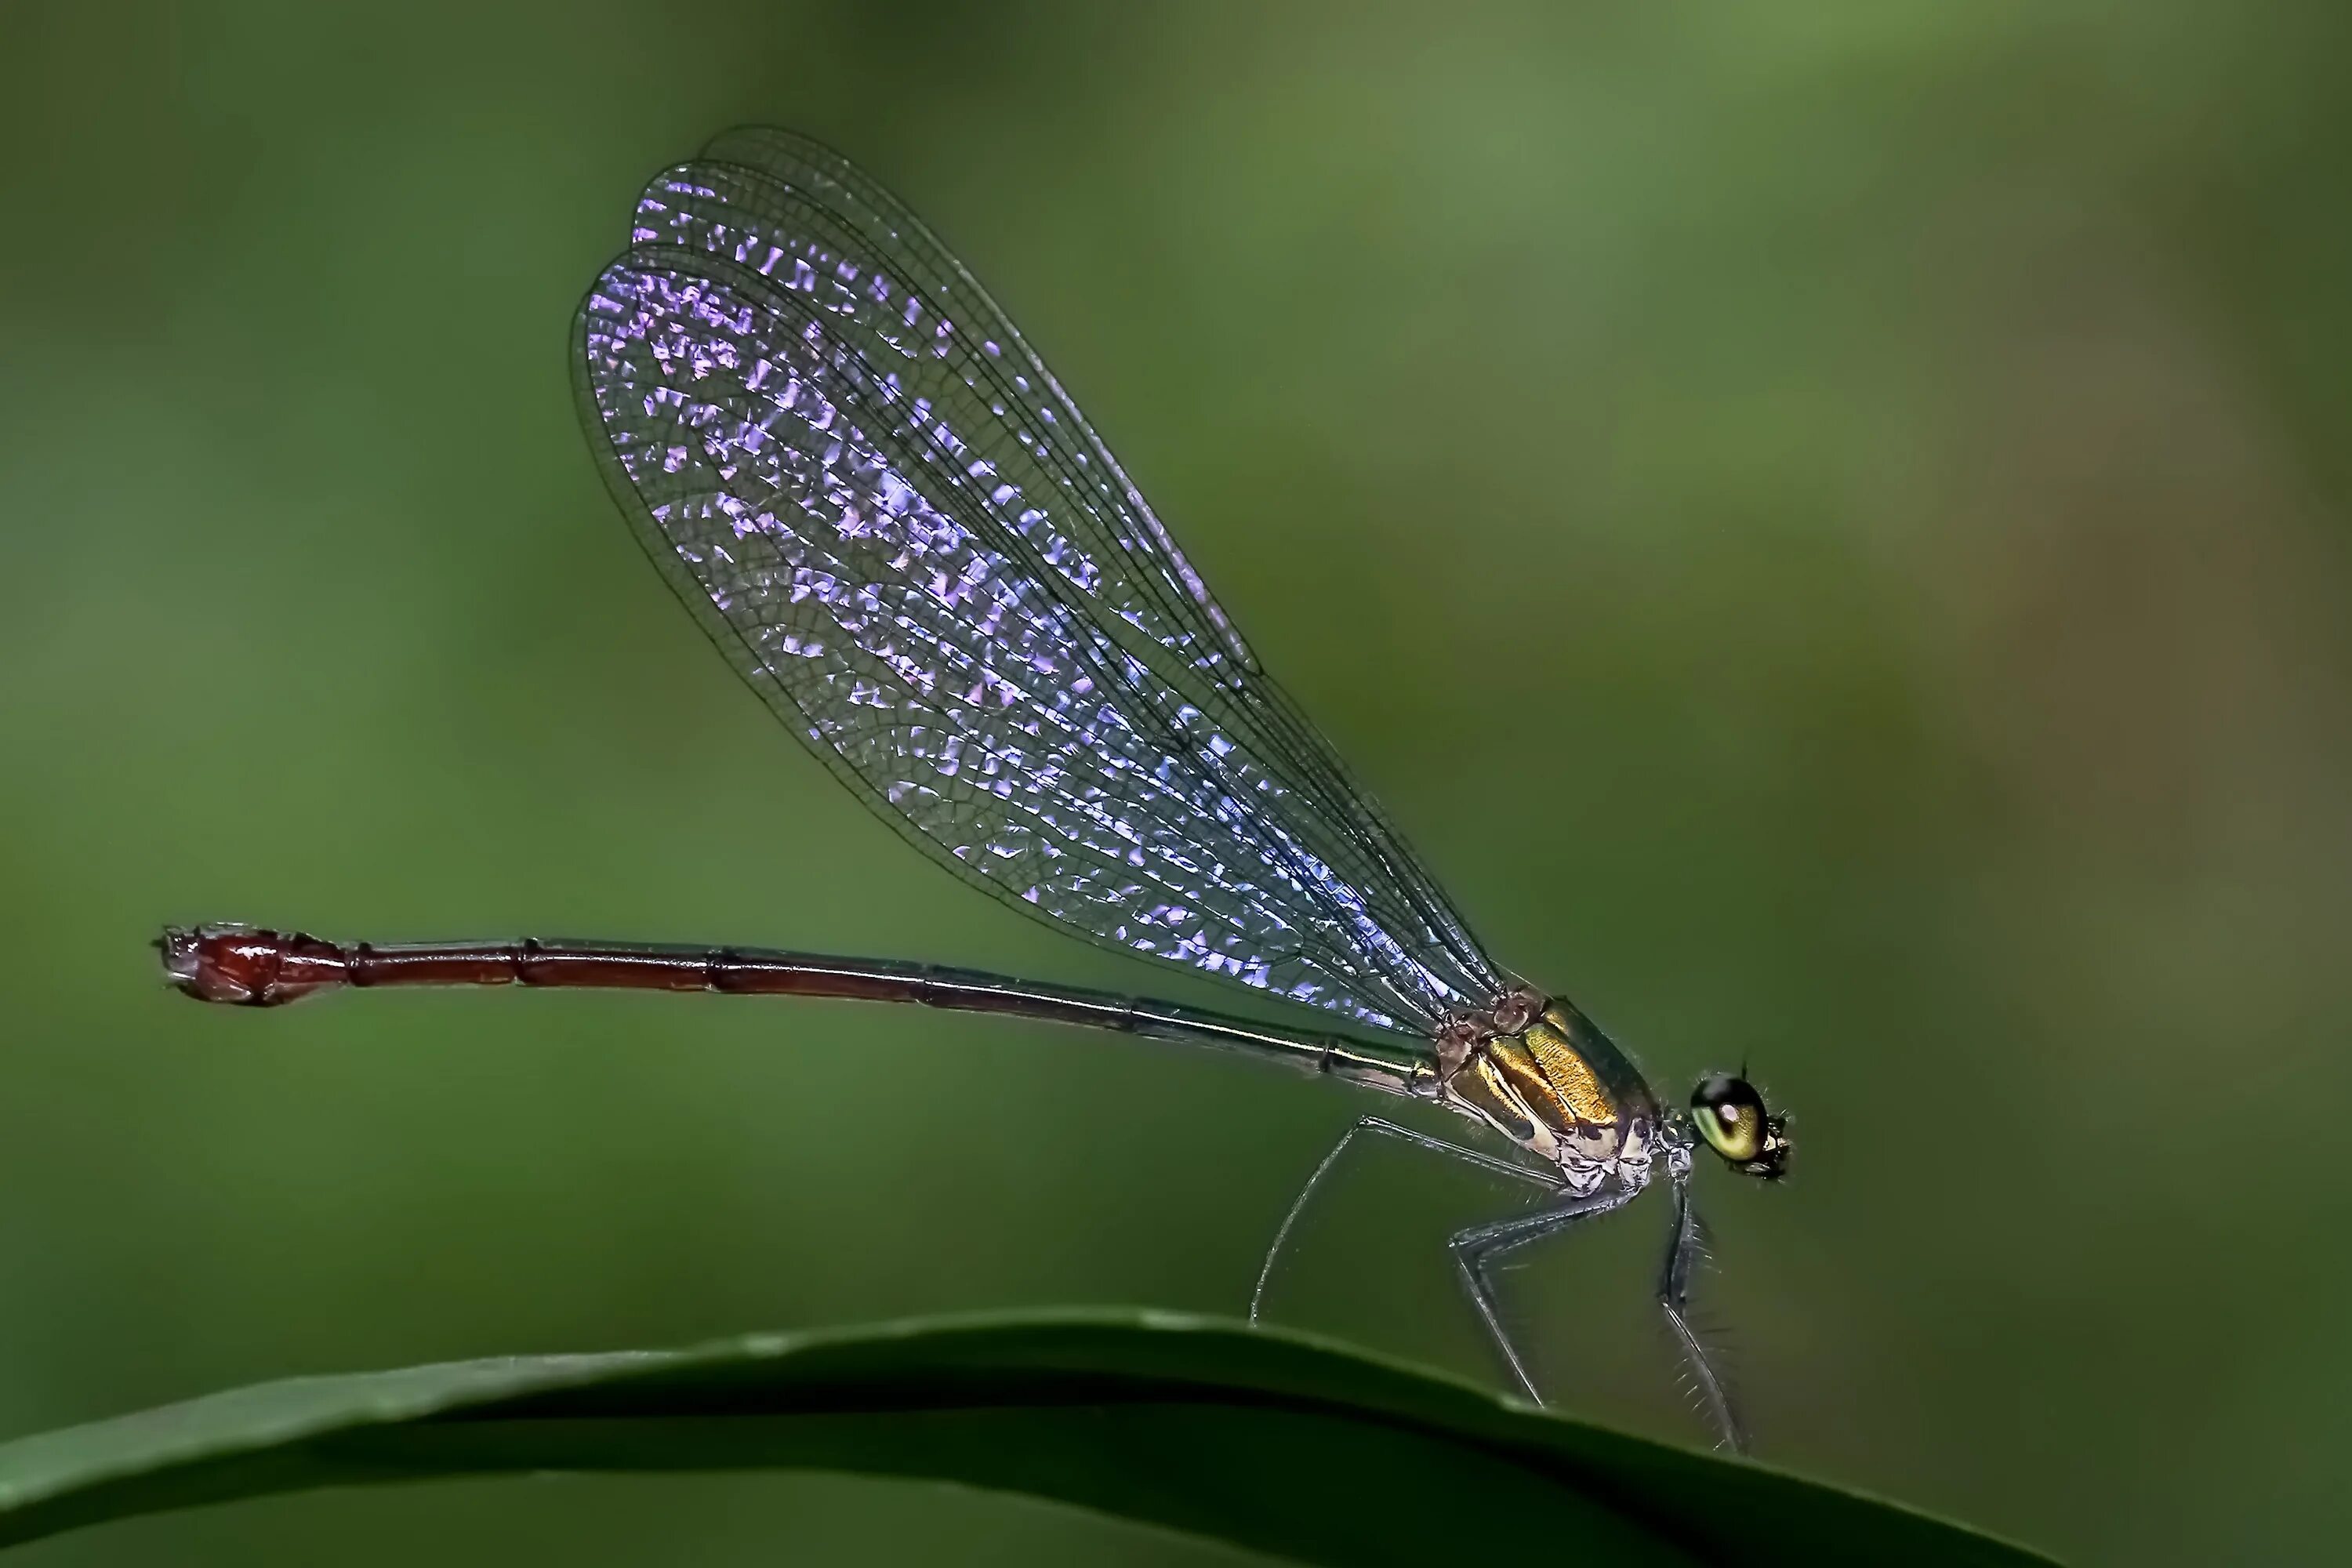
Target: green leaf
point(1271, 1441)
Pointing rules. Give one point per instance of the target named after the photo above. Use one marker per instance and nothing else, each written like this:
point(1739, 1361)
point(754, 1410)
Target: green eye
point(1730, 1114)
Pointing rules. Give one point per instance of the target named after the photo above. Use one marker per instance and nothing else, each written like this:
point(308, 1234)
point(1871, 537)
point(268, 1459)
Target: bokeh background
point(1825, 521)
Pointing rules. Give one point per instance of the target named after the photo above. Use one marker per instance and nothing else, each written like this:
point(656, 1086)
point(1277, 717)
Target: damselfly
point(888, 515)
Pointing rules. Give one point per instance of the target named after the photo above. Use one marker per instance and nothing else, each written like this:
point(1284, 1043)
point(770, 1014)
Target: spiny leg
point(1684, 1249)
point(1475, 1249)
point(1380, 1124)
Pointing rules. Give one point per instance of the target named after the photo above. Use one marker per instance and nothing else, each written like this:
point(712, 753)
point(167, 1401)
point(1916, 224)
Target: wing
point(1192, 645)
point(885, 509)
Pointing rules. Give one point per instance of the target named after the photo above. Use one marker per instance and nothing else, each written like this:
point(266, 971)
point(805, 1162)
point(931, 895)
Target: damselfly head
point(1730, 1115)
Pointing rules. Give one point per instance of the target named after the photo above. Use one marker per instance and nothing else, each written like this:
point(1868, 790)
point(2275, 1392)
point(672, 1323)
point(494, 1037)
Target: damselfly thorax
point(1542, 1075)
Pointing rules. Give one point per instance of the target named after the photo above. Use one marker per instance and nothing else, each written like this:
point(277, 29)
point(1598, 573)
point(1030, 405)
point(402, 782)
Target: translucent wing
point(1193, 646)
point(888, 513)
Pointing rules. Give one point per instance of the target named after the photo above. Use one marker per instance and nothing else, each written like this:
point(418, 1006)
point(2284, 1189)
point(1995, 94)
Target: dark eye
point(1730, 1117)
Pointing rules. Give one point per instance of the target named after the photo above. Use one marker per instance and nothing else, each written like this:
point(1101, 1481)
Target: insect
point(887, 514)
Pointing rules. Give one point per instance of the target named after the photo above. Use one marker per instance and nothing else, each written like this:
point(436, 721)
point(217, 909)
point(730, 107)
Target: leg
point(1475, 1249)
point(1684, 1249)
point(1381, 1125)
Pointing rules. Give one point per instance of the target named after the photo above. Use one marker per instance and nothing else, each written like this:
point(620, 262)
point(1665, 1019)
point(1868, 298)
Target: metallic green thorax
point(1542, 1075)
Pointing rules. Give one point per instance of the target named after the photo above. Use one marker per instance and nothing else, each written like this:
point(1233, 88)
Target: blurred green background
point(1825, 523)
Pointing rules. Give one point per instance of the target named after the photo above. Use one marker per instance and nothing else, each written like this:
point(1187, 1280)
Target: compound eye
point(1730, 1117)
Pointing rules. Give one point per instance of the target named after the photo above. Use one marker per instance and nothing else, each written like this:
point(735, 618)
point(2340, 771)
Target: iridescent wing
point(886, 512)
